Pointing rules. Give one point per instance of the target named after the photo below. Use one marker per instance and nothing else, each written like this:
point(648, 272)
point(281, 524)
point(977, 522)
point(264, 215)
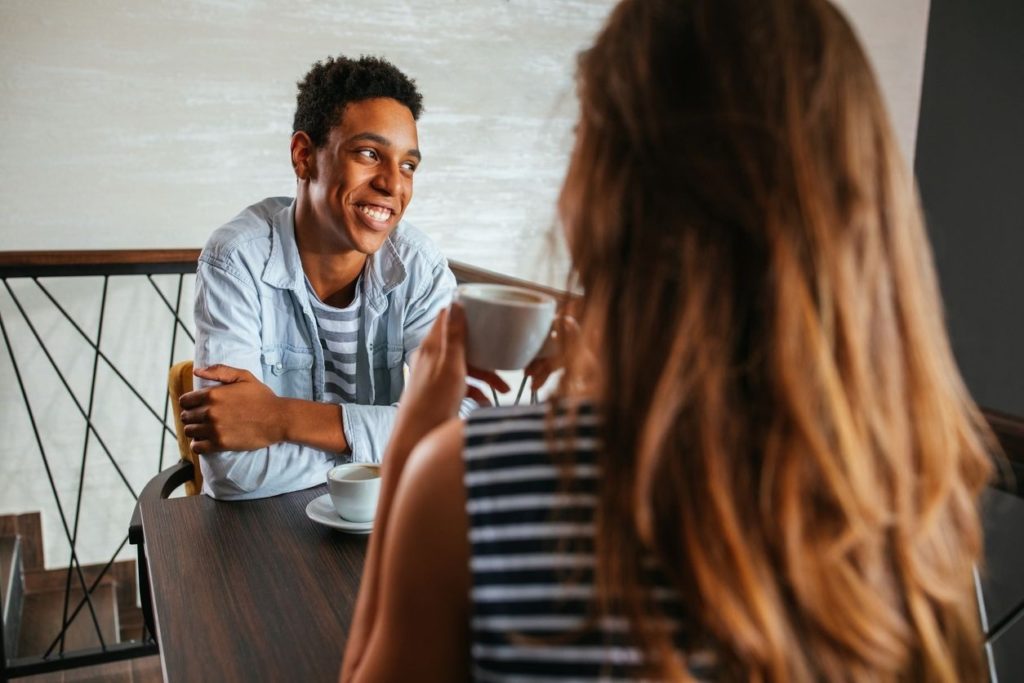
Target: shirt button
point(279, 367)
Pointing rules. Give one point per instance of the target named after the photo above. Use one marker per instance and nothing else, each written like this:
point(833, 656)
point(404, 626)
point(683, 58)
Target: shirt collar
point(384, 271)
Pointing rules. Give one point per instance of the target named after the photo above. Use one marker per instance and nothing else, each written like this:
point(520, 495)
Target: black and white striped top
point(338, 329)
point(531, 532)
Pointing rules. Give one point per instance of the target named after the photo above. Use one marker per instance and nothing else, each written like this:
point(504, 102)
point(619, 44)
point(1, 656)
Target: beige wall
point(145, 124)
point(894, 32)
point(130, 123)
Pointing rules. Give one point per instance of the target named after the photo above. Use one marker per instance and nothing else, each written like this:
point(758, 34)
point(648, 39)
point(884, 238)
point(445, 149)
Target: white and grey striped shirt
point(338, 329)
point(531, 534)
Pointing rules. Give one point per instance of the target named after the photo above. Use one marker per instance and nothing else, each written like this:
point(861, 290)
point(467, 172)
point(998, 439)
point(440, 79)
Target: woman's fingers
point(490, 377)
point(477, 395)
point(434, 341)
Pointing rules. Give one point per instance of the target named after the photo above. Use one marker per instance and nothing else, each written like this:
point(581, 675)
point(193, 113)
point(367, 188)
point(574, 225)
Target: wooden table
point(250, 590)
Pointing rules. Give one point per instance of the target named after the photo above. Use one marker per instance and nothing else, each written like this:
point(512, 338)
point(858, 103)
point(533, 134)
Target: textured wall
point(147, 124)
point(131, 124)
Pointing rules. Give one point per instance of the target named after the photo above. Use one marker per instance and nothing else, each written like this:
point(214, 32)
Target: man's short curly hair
point(337, 81)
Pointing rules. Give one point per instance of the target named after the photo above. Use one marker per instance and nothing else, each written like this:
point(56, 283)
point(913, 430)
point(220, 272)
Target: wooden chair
point(179, 381)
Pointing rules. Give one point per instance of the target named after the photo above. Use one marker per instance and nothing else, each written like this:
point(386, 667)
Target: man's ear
point(303, 156)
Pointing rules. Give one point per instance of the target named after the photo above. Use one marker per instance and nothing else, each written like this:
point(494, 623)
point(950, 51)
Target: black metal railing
point(31, 274)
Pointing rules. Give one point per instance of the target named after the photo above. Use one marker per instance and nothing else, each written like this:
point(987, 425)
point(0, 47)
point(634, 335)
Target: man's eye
point(409, 166)
point(369, 153)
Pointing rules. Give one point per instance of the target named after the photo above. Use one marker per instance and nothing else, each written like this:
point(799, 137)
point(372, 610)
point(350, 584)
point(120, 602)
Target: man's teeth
point(376, 213)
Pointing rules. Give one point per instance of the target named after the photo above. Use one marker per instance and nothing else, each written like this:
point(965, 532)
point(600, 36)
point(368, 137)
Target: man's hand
point(242, 414)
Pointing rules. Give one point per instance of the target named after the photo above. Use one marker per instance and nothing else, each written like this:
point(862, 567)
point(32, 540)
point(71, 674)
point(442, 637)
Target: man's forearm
point(313, 424)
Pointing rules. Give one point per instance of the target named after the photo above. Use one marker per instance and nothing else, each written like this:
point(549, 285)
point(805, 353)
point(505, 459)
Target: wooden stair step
point(28, 528)
point(12, 589)
point(8, 557)
point(131, 622)
point(46, 609)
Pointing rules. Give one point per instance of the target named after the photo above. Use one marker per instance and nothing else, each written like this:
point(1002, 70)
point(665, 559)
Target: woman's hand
point(437, 378)
point(551, 358)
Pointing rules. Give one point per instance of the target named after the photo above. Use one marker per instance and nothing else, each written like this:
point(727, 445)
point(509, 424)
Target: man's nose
point(388, 179)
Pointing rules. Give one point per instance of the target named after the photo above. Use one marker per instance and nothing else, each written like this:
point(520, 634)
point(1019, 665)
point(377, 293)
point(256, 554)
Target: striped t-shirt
point(338, 329)
point(531, 533)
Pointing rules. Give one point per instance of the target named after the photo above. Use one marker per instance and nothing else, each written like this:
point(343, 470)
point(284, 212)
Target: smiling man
point(307, 309)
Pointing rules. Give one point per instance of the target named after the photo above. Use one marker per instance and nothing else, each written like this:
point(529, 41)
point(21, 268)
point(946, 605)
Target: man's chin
point(371, 243)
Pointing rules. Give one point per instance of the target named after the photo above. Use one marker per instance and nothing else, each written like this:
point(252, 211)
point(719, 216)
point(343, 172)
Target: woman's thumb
point(456, 330)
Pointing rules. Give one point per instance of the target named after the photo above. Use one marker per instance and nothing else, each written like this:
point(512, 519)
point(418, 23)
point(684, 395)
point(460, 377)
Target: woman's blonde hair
point(785, 429)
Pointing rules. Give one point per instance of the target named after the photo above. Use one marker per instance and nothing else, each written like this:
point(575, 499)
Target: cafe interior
point(130, 131)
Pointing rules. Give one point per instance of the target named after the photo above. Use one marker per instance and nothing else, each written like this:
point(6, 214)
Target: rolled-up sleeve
point(228, 332)
point(434, 294)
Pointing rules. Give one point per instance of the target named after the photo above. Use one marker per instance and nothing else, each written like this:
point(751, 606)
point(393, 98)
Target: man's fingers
point(193, 399)
point(222, 373)
point(198, 431)
point(202, 447)
point(197, 416)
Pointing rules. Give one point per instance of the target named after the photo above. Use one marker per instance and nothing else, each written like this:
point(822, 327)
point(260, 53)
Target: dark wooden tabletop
point(251, 590)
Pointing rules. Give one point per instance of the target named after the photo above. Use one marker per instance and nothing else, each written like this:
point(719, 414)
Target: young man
point(307, 309)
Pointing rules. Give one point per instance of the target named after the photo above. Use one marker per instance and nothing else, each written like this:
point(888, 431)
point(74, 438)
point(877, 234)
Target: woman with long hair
point(761, 462)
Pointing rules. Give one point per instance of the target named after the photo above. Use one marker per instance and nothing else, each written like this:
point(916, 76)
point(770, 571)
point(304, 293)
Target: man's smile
point(379, 215)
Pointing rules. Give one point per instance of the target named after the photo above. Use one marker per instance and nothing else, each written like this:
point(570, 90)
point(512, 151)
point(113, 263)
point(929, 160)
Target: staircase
point(33, 600)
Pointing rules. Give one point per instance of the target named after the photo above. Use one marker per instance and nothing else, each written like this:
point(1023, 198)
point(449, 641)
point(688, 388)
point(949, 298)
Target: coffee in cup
point(354, 489)
point(506, 326)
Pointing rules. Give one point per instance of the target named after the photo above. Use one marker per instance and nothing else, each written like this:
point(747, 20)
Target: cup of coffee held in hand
point(506, 326)
point(354, 489)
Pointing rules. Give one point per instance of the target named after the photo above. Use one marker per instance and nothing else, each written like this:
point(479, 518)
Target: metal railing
point(31, 275)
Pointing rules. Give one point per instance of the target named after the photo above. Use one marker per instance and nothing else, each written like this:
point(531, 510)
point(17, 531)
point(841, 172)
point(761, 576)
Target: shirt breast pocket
point(387, 358)
point(289, 372)
point(387, 375)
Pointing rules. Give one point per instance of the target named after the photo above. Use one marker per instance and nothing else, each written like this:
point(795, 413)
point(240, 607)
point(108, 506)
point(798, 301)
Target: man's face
point(362, 177)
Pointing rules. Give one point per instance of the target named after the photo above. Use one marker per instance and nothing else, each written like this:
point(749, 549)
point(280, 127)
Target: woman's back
point(531, 477)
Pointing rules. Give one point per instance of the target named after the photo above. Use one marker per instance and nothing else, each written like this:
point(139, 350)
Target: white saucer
point(321, 510)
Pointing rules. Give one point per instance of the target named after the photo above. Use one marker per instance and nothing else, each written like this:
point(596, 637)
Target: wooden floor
point(142, 670)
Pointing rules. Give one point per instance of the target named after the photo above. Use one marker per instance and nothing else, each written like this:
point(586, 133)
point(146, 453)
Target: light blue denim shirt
point(252, 311)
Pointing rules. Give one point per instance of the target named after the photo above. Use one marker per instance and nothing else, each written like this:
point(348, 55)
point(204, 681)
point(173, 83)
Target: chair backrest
point(179, 381)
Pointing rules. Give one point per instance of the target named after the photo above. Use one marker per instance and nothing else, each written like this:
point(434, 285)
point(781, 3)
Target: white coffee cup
point(354, 489)
point(506, 326)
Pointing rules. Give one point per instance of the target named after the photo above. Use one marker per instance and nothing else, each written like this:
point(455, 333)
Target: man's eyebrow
point(381, 140)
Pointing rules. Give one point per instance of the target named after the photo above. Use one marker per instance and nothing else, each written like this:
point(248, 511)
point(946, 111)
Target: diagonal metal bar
point(71, 393)
point(81, 602)
point(49, 473)
point(85, 455)
point(522, 385)
point(102, 355)
point(174, 342)
point(175, 310)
